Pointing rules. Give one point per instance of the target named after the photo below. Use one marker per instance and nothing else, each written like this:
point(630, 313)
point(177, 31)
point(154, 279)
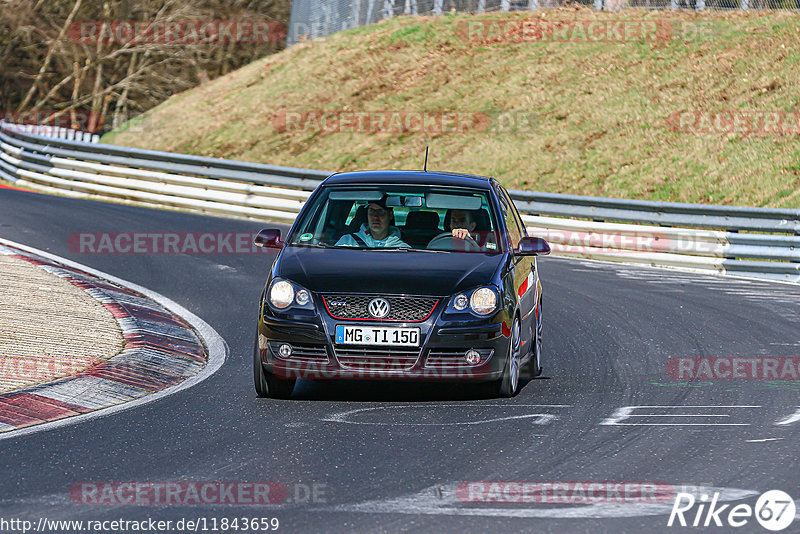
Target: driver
point(463, 224)
point(377, 232)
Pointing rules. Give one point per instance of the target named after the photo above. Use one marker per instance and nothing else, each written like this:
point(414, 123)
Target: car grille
point(301, 352)
point(401, 309)
point(376, 358)
point(449, 358)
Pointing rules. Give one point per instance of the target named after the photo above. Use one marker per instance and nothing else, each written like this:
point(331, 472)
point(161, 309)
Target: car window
point(513, 227)
point(416, 217)
point(515, 212)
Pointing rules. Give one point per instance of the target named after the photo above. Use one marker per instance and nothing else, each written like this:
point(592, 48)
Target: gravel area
point(49, 328)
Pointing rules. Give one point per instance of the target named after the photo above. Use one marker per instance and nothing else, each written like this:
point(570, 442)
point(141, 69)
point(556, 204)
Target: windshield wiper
point(409, 249)
point(313, 245)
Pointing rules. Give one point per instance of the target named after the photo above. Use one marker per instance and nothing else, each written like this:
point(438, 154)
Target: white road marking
point(538, 418)
point(216, 346)
point(795, 417)
point(429, 501)
point(626, 412)
point(762, 440)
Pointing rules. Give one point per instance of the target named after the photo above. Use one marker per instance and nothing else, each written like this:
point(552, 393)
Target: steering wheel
point(446, 241)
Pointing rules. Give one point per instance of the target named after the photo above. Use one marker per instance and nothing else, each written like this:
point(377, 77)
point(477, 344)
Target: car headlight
point(284, 294)
point(281, 294)
point(483, 301)
point(480, 301)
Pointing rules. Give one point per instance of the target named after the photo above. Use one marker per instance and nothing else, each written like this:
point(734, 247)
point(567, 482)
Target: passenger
point(377, 232)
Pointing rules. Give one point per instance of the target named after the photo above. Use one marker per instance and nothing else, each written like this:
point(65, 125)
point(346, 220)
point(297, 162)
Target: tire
point(509, 384)
point(534, 365)
point(267, 384)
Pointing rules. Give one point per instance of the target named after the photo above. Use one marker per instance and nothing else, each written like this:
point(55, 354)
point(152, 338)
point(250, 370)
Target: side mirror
point(268, 238)
point(532, 246)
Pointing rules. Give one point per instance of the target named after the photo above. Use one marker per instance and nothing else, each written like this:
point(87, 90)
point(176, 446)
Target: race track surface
point(389, 456)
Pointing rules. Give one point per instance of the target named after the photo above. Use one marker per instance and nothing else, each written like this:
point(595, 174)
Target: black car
point(402, 275)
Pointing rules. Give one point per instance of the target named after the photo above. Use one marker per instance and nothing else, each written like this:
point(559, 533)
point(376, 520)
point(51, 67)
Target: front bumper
point(440, 357)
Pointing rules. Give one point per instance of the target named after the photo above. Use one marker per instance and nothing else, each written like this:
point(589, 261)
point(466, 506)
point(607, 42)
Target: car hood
point(386, 272)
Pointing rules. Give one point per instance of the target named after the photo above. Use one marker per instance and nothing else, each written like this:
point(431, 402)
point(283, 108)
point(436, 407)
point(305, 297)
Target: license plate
point(368, 335)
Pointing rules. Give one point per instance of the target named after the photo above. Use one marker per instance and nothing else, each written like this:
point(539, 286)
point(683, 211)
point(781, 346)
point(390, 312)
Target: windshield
point(400, 217)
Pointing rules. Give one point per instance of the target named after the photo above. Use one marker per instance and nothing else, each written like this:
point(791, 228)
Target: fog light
point(285, 350)
point(472, 356)
point(302, 297)
point(461, 302)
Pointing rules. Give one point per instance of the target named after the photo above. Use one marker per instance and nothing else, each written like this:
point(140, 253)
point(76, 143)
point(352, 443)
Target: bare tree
point(51, 71)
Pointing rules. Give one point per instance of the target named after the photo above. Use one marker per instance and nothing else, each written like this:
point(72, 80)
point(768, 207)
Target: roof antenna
point(426, 159)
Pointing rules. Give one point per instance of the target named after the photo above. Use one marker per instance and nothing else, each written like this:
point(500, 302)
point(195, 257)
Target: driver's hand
point(461, 233)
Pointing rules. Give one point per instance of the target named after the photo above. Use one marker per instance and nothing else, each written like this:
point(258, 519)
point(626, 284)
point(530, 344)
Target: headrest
point(422, 219)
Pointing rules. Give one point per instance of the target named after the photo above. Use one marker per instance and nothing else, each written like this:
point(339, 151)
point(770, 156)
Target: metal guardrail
point(54, 131)
point(753, 242)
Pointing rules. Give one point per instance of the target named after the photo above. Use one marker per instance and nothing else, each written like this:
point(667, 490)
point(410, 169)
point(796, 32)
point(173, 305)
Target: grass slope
point(598, 113)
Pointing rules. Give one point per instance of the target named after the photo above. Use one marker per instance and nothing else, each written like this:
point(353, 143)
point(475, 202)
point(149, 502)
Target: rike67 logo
point(774, 510)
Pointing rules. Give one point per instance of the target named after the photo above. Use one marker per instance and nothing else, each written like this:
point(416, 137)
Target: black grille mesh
point(377, 358)
point(401, 309)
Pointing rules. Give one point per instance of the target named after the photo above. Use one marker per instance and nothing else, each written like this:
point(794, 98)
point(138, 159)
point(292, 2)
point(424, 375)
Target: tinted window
point(415, 217)
point(507, 206)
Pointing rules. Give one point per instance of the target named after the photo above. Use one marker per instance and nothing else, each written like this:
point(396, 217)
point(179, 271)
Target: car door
point(525, 275)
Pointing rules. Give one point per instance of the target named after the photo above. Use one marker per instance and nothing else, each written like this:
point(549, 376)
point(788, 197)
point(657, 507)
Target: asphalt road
point(388, 456)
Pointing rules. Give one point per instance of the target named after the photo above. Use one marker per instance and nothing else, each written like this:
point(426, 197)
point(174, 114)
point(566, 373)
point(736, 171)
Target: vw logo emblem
point(378, 308)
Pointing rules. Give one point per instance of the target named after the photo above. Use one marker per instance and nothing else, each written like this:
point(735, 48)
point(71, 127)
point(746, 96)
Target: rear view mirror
point(394, 202)
point(268, 238)
point(532, 246)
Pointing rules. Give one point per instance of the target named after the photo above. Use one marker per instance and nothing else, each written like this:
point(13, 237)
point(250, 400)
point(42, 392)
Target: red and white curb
point(167, 349)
